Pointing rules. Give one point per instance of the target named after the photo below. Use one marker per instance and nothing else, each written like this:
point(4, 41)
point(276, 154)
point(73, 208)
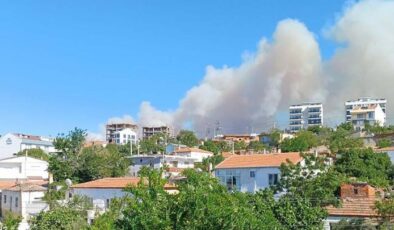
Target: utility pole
point(131, 148)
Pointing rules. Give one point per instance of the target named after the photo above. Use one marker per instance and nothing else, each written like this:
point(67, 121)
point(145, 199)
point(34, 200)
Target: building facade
point(12, 143)
point(305, 115)
point(152, 130)
point(24, 199)
point(112, 129)
point(180, 159)
point(368, 114)
point(251, 173)
point(363, 102)
point(124, 136)
point(23, 168)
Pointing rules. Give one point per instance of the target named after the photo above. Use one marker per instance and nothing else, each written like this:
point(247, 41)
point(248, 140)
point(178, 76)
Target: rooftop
point(259, 160)
point(188, 150)
point(26, 187)
point(112, 183)
point(354, 207)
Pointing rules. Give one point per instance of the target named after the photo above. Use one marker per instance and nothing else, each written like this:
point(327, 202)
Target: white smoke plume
point(364, 65)
point(289, 69)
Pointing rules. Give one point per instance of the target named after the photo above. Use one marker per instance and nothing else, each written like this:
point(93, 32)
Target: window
point(5, 199)
point(107, 203)
point(252, 174)
point(355, 191)
point(16, 201)
point(124, 135)
point(272, 179)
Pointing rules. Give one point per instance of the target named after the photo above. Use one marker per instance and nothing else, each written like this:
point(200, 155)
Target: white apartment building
point(124, 136)
point(12, 143)
point(364, 102)
point(305, 115)
point(372, 114)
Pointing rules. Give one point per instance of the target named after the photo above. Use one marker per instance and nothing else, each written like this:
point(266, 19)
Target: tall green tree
point(366, 165)
point(302, 142)
point(188, 138)
point(256, 146)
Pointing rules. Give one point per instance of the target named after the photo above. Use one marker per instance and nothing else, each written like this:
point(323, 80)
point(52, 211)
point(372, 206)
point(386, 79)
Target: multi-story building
point(368, 114)
point(12, 143)
point(112, 130)
point(305, 115)
point(150, 131)
point(124, 136)
point(364, 102)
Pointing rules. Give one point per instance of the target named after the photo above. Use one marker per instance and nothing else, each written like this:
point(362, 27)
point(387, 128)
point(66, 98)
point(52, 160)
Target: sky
point(66, 64)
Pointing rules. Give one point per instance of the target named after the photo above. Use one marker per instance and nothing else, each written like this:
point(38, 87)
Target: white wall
point(28, 203)
point(99, 196)
point(247, 183)
point(23, 167)
point(9, 145)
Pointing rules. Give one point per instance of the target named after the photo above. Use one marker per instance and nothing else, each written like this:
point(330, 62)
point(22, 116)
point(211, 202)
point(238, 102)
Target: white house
point(125, 136)
point(372, 114)
point(250, 173)
point(24, 199)
point(101, 191)
point(194, 153)
point(12, 143)
point(23, 168)
point(177, 161)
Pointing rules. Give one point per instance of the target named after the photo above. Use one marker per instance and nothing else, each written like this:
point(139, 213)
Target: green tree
point(64, 217)
point(275, 137)
point(314, 180)
point(295, 212)
point(188, 138)
point(383, 143)
point(215, 146)
point(240, 145)
point(256, 146)
point(366, 165)
point(35, 153)
point(149, 207)
point(385, 209)
point(11, 221)
point(154, 144)
point(302, 142)
point(64, 163)
point(341, 140)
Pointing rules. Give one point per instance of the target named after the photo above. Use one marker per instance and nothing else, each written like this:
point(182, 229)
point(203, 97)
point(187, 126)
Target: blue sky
point(77, 63)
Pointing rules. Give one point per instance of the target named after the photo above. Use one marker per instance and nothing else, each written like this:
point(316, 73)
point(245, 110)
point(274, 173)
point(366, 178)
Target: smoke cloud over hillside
point(289, 69)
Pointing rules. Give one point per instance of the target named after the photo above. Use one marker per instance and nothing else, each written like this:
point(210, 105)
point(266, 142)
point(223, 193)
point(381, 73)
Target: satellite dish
point(69, 182)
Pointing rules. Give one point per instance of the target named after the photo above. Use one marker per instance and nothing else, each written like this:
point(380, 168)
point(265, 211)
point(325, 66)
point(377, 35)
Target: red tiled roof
point(259, 160)
point(173, 169)
point(354, 207)
point(116, 182)
point(227, 154)
point(113, 183)
point(4, 184)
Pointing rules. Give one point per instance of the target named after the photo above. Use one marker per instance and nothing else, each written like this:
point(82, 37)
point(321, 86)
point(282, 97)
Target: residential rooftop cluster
point(33, 168)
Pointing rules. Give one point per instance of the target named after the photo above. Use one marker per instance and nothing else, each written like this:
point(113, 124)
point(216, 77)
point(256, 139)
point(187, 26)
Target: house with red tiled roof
point(250, 173)
point(101, 191)
point(357, 202)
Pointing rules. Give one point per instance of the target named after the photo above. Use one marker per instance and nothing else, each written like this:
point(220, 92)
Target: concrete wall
point(99, 196)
